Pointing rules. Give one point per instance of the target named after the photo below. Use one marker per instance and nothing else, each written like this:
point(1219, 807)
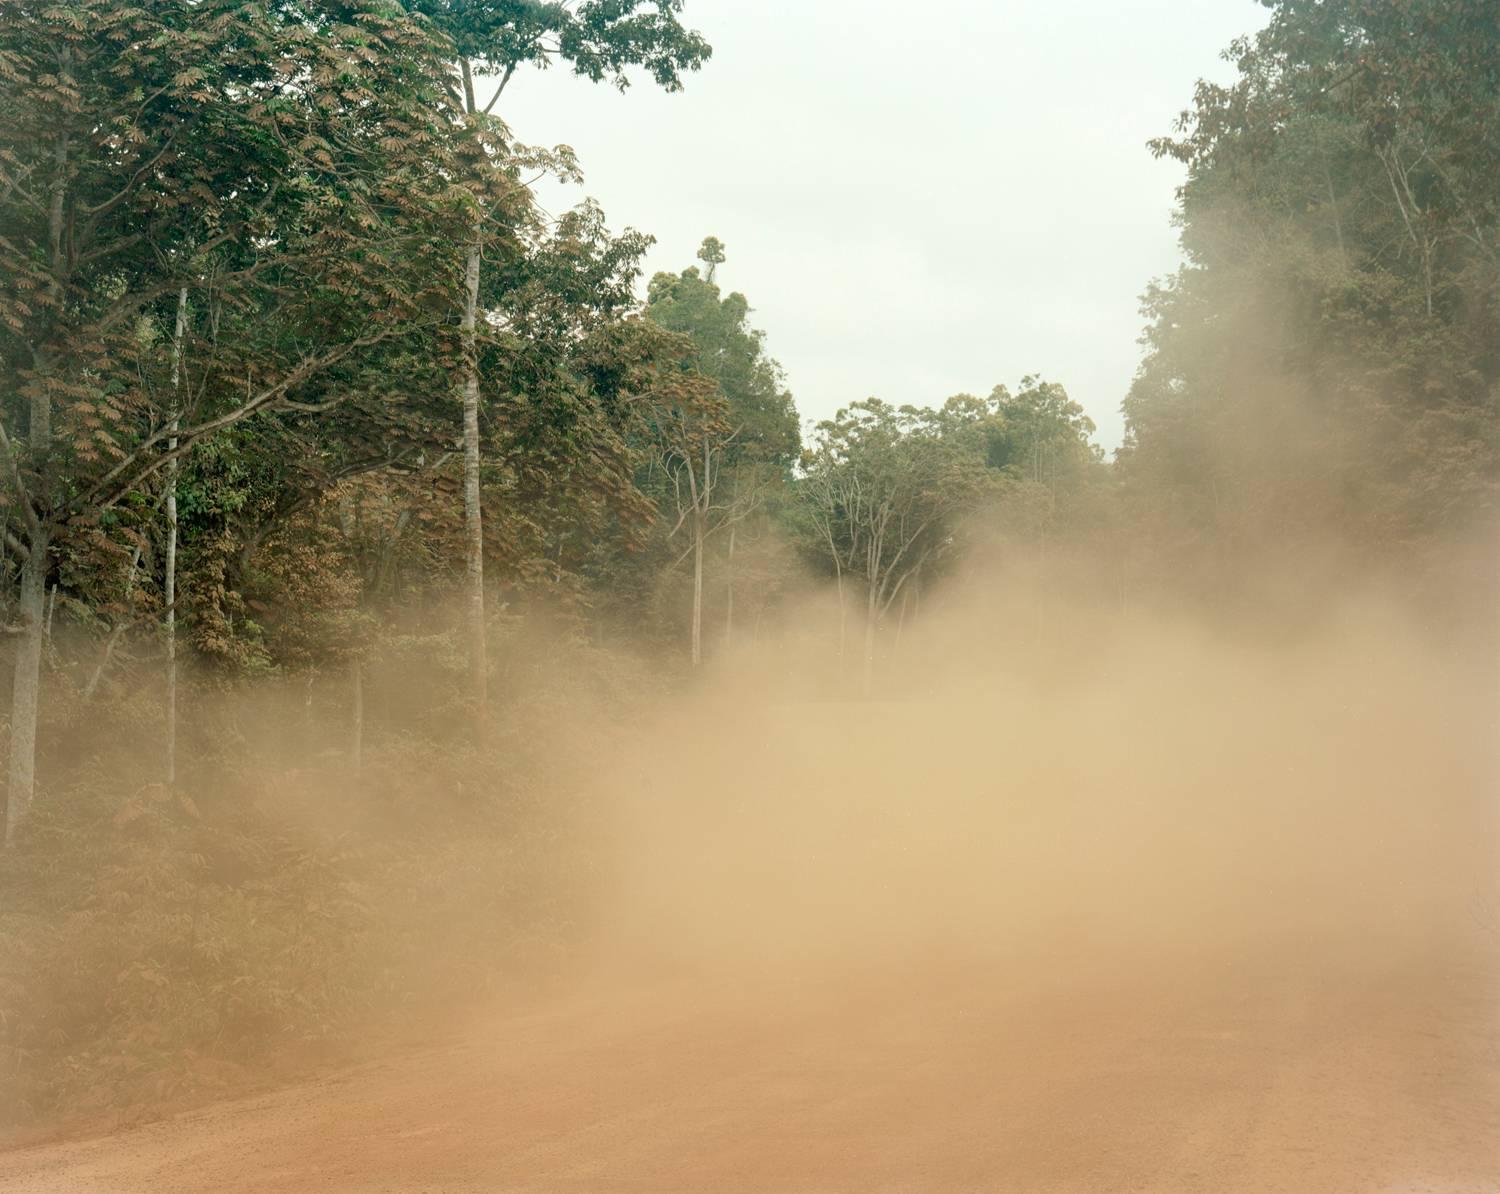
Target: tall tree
point(169, 582)
point(1325, 359)
point(693, 434)
point(289, 165)
point(882, 489)
point(722, 468)
point(598, 39)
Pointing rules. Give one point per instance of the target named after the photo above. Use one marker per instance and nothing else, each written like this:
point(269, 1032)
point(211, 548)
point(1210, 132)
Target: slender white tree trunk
point(698, 535)
point(170, 585)
point(26, 688)
point(473, 514)
point(700, 495)
point(729, 596)
point(868, 683)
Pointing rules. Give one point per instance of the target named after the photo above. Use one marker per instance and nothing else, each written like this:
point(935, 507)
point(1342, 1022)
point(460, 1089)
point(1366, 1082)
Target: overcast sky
point(917, 199)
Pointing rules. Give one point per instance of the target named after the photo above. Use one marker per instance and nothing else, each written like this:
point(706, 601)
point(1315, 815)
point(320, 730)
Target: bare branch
point(120, 480)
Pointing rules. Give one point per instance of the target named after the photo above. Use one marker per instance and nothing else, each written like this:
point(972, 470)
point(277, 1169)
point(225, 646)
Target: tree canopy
point(1327, 352)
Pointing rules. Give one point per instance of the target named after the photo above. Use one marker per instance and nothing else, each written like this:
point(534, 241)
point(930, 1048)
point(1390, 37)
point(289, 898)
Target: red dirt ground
point(1293, 1072)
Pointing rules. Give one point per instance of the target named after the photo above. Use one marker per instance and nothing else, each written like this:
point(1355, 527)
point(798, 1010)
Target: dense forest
point(334, 467)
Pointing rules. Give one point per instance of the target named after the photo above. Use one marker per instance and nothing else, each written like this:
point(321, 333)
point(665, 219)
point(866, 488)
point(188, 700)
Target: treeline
point(334, 468)
point(297, 369)
point(1325, 365)
point(305, 398)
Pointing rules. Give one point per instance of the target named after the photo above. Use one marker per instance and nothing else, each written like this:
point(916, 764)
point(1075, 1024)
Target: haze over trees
point(1327, 352)
point(330, 461)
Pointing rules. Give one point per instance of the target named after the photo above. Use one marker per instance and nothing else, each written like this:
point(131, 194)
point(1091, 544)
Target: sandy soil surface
point(1294, 1072)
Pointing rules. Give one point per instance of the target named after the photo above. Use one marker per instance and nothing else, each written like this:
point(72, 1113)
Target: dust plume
point(1084, 886)
point(1050, 773)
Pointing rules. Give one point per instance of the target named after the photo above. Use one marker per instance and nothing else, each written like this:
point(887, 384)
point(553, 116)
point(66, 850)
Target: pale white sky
point(917, 199)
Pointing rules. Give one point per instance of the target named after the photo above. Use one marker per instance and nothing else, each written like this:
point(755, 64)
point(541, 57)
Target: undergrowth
point(164, 946)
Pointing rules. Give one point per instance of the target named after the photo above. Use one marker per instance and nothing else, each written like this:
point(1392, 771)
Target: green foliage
point(598, 39)
point(761, 414)
point(1326, 358)
point(160, 147)
point(889, 495)
point(285, 177)
point(883, 487)
point(1040, 434)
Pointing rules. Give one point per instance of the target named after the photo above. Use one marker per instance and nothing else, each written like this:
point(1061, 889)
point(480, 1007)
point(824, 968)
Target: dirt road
point(1295, 1072)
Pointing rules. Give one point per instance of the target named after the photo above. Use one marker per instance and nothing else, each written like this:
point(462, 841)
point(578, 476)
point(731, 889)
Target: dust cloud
point(1051, 774)
point(1090, 895)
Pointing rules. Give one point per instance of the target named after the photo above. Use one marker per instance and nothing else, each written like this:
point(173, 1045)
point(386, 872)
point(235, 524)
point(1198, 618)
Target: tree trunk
point(729, 596)
point(170, 586)
point(698, 533)
point(26, 685)
point(473, 515)
point(868, 684)
point(26, 690)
